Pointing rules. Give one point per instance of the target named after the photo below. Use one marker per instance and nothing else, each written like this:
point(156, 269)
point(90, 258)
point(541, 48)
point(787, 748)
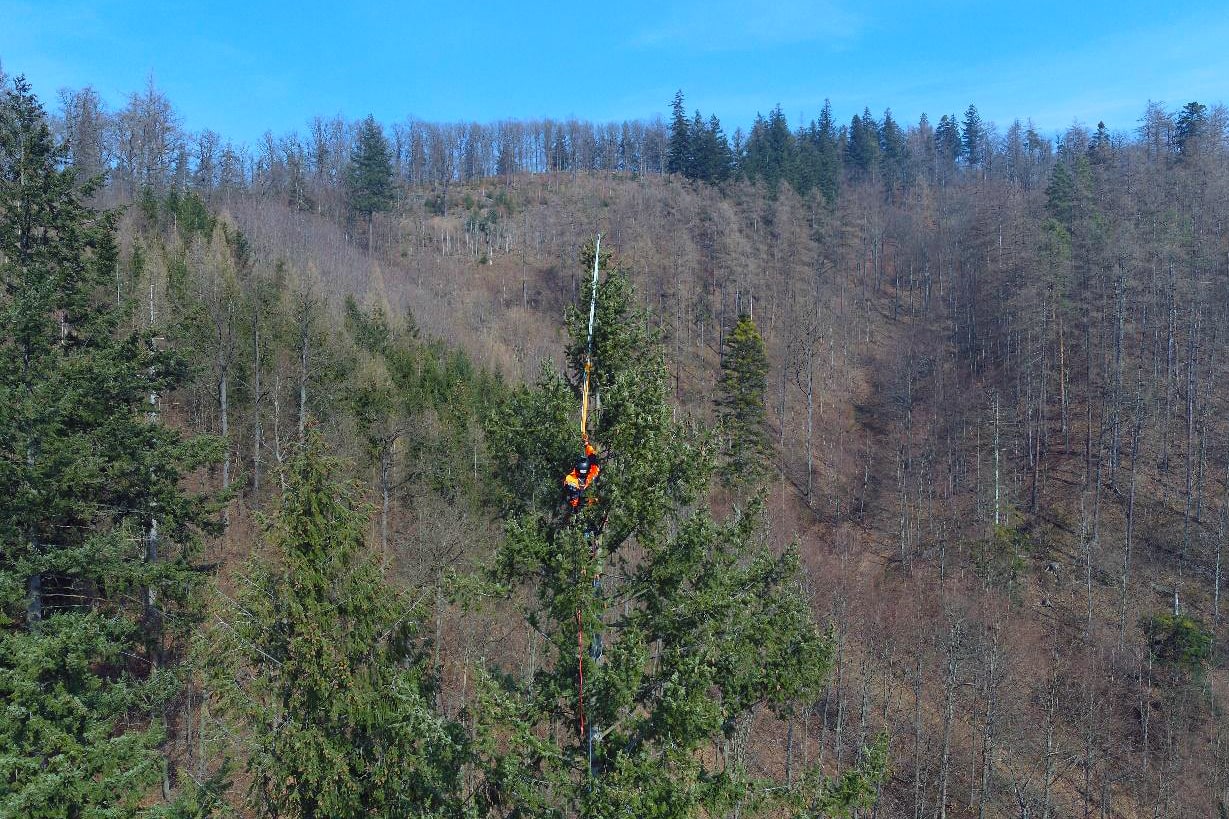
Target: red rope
point(580, 670)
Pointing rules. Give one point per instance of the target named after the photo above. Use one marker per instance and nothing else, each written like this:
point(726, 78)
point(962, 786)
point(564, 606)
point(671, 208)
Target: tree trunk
point(1129, 529)
point(257, 428)
point(34, 600)
point(949, 714)
point(304, 335)
point(224, 419)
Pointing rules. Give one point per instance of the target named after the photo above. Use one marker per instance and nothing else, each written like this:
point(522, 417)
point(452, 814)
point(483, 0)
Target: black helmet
point(582, 466)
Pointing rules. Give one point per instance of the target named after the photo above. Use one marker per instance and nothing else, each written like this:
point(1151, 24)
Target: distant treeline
point(144, 146)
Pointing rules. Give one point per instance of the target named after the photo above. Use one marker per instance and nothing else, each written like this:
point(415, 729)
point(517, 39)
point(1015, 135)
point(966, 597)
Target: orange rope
point(580, 669)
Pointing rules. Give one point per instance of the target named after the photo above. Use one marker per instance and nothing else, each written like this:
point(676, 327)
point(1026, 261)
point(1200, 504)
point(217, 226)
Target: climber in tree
point(581, 477)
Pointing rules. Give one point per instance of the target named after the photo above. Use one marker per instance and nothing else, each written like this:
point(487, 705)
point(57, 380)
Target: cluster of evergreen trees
point(98, 535)
point(698, 149)
point(823, 155)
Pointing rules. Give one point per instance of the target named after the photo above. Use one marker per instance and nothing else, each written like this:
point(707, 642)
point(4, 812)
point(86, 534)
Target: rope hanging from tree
point(586, 731)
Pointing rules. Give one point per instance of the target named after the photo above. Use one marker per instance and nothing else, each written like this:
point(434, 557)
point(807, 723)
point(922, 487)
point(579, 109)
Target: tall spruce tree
point(823, 155)
point(369, 176)
point(680, 625)
point(894, 155)
point(678, 150)
point(863, 150)
point(947, 146)
point(96, 533)
point(1189, 128)
point(740, 403)
point(973, 138)
point(771, 152)
point(324, 667)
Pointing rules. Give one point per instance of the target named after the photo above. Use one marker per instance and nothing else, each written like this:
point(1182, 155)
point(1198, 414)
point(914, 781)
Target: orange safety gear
point(581, 477)
point(572, 487)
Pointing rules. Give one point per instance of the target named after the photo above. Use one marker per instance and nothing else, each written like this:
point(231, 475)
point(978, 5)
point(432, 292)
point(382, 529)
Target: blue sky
point(242, 68)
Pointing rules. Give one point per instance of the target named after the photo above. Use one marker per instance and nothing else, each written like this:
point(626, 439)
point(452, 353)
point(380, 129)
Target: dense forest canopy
point(913, 494)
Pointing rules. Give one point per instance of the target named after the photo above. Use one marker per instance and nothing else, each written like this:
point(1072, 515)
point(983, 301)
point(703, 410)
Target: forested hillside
point(284, 428)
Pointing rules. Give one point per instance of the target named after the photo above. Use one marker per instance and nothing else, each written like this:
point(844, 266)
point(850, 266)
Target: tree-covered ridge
point(319, 677)
point(363, 168)
point(994, 396)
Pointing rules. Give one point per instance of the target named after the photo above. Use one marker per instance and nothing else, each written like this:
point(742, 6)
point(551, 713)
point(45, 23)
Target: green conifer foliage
point(369, 175)
point(771, 152)
point(740, 403)
point(947, 142)
point(95, 531)
point(678, 151)
point(324, 665)
point(973, 138)
point(699, 624)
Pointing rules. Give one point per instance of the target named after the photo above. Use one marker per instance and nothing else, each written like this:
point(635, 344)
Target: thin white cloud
point(726, 25)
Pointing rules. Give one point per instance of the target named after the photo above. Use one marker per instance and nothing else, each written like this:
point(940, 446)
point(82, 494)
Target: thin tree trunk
point(810, 421)
point(918, 808)
point(257, 427)
point(1051, 714)
point(949, 714)
point(1129, 530)
point(304, 334)
point(988, 725)
point(224, 419)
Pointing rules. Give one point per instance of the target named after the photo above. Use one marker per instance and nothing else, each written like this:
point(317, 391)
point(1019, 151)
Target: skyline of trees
point(145, 145)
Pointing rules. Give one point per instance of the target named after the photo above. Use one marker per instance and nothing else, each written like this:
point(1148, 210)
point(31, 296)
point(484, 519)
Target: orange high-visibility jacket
point(571, 485)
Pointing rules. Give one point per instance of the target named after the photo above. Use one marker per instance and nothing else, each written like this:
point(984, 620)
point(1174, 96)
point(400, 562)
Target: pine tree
point(678, 150)
point(96, 535)
point(718, 158)
point(863, 149)
point(687, 623)
point(1101, 148)
point(1189, 127)
point(771, 151)
point(369, 176)
point(973, 138)
point(947, 138)
point(894, 153)
point(325, 667)
point(828, 174)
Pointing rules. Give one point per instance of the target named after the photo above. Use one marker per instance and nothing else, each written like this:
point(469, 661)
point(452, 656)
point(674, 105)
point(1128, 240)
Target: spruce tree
point(96, 534)
point(701, 150)
point(973, 138)
point(325, 668)
point(679, 149)
point(863, 149)
point(369, 175)
point(826, 154)
point(1189, 127)
point(740, 403)
point(771, 152)
point(717, 157)
point(682, 624)
point(947, 138)
point(894, 157)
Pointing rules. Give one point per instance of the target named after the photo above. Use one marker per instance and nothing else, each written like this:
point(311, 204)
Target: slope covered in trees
point(994, 389)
